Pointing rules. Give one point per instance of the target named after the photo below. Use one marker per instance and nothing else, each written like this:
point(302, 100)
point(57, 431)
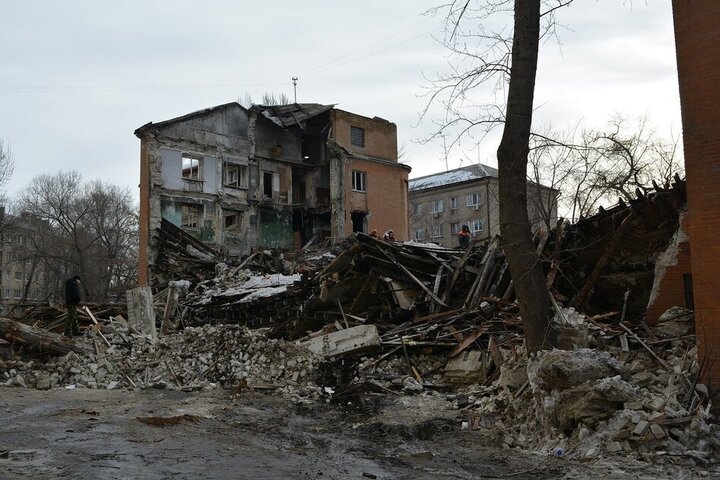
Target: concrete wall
point(697, 42)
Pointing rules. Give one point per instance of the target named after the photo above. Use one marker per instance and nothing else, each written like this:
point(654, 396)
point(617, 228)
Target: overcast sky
point(78, 77)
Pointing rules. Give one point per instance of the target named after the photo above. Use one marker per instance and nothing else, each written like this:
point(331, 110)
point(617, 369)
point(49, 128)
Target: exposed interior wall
point(697, 24)
point(671, 268)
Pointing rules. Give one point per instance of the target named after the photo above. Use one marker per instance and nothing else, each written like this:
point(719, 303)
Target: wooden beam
point(19, 333)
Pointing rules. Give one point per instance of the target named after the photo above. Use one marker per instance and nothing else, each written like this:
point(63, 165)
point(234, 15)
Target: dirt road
point(158, 434)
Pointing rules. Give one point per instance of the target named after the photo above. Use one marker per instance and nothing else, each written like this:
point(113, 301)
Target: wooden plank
point(92, 317)
point(469, 340)
point(412, 277)
point(650, 350)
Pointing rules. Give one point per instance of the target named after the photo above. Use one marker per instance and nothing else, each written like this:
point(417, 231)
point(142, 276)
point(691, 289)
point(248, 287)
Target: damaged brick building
point(277, 176)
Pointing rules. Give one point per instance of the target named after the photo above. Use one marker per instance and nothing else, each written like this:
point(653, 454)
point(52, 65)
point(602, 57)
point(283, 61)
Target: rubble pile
point(196, 358)
point(588, 403)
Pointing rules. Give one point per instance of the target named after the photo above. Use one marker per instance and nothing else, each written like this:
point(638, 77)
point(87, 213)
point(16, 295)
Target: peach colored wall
point(380, 135)
point(386, 197)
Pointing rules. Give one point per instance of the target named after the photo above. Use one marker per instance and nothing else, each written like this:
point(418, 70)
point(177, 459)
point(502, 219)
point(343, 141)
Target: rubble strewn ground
point(438, 344)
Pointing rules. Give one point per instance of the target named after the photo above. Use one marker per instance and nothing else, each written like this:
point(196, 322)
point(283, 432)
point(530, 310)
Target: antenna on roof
point(294, 80)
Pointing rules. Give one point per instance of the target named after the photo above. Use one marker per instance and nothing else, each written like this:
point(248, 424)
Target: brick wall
point(385, 200)
point(697, 42)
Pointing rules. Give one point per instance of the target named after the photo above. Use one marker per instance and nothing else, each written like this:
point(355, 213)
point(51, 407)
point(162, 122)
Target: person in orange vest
point(464, 237)
point(374, 234)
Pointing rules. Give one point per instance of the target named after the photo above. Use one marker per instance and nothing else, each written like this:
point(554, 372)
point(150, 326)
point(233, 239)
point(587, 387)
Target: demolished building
point(278, 176)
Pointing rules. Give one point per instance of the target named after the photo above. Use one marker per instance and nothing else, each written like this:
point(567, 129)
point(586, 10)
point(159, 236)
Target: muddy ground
point(102, 434)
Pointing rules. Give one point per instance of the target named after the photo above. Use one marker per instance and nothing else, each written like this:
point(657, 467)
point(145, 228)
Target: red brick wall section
point(697, 42)
point(670, 284)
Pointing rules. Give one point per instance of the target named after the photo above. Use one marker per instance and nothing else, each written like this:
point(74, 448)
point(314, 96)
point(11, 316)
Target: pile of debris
point(642, 402)
point(197, 358)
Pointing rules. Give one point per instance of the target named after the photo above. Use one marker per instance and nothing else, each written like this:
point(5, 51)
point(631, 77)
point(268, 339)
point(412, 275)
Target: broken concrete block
point(614, 447)
point(469, 366)
point(640, 428)
point(513, 376)
point(657, 431)
point(412, 385)
point(43, 382)
point(561, 369)
point(141, 311)
point(350, 340)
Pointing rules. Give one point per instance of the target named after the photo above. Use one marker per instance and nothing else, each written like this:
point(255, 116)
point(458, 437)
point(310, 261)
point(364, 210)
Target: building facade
point(440, 204)
point(24, 281)
point(269, 177)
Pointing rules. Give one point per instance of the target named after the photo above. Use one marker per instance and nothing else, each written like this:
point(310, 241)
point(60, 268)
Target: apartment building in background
point(23, 280)
point(440, 204)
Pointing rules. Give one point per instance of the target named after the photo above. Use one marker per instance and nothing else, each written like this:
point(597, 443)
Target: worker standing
point(72, 300)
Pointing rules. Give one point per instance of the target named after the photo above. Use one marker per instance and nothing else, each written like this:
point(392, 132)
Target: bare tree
point(499, 65)
point(83, 228)
point(595, 167)
point(268, 98)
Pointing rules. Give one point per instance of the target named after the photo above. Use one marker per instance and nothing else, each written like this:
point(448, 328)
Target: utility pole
point(294, 80)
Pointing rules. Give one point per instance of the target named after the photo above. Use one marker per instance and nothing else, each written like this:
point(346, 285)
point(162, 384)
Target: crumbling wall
point(338, 160)
point(671, 267)
point(276, 228)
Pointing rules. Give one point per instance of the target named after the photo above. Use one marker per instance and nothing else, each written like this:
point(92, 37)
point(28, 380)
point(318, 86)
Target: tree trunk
point(16, 332)
point(525, 267)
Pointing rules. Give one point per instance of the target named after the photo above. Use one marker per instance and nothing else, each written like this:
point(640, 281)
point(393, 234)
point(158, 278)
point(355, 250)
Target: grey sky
point(77, 77)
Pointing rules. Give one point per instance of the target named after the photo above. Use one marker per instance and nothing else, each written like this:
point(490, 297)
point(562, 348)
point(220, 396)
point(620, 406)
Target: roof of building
point(187, 116)
point(292, 113)
point(458, 175)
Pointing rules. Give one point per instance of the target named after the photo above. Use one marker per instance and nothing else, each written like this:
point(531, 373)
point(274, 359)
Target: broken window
point(454, 228)
point(312, 147)
point(236, 175)
point(454, 203)
point(233, 221)
point(359, 181)
point(267, 184)
point(476, 226)
point(190, 167)
point(357, 137)
point(437, 230)
point(419, 233)
point(190, 216)
point(437, 206)
point(473, 200)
